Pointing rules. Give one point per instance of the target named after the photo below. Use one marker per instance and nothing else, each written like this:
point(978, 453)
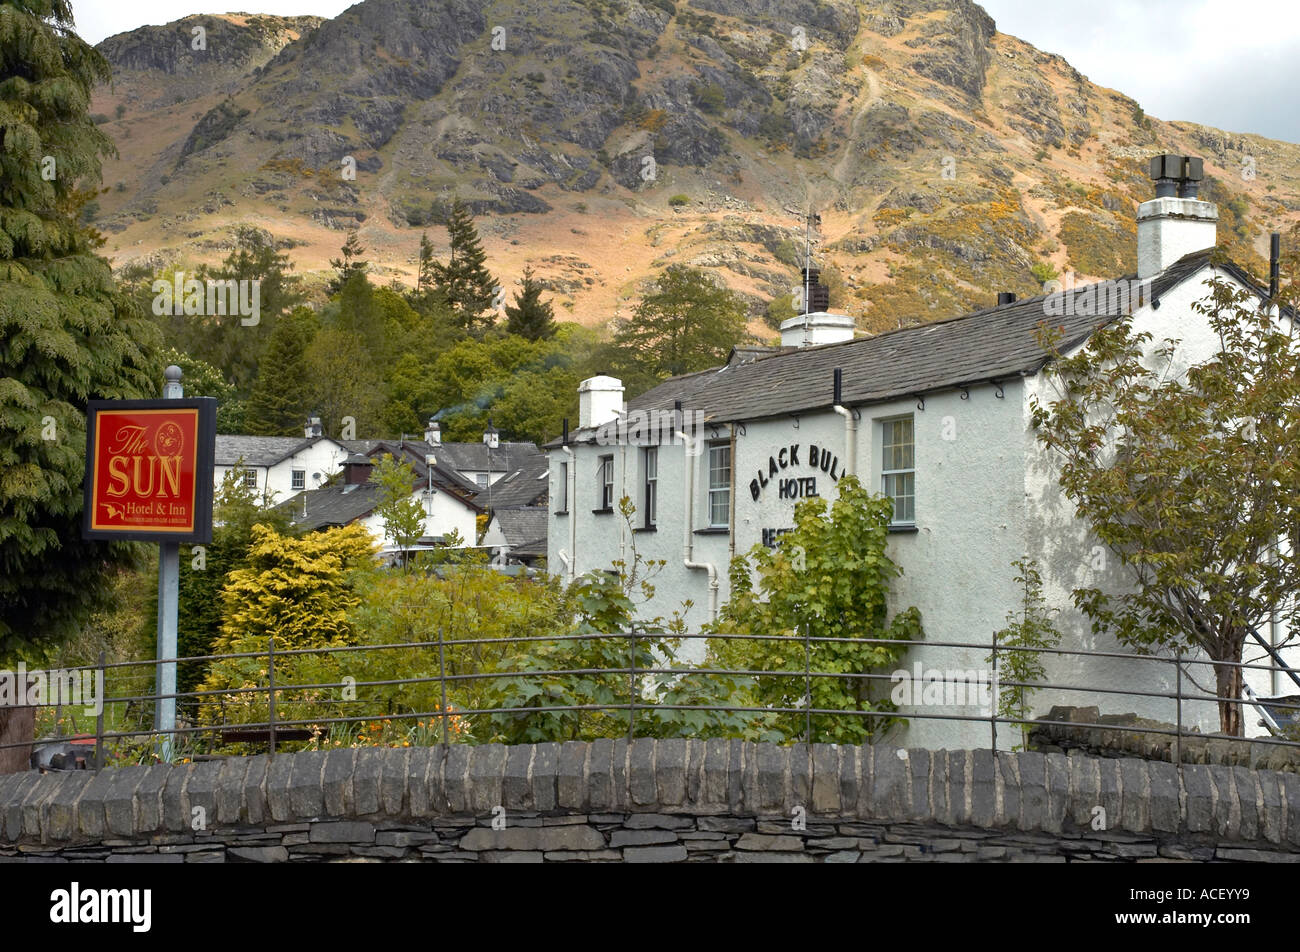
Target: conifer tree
point(282, 394)
point(424, 276)
point(465, 280)
point(351, 263)
point(530, 316)
point(67, 334)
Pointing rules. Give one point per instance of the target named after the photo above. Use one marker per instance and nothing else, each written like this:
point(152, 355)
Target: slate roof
point(258, 450)
point(996, 343)
point(414, 453)
point(473, 457)
point(524, 528)
point(526, 486)
point(332, 505)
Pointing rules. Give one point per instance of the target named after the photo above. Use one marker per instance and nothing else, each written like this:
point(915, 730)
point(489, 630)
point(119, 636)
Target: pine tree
point(282, 394)
point(351, 263)
point(424, 277)
point(224, 341)
point(67, 335)
point(469, 288)
point(530, 316)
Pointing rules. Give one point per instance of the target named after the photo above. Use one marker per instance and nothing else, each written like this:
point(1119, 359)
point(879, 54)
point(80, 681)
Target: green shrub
point(677, 201)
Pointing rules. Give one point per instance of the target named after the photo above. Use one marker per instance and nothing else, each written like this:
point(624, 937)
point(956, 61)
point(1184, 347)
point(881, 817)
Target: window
point(651, 484)
point(298, 481)
point(563, 494)
point(606, 484)
point(250, 479)
point(481, 479)
point(898, 469)
point(720, 485)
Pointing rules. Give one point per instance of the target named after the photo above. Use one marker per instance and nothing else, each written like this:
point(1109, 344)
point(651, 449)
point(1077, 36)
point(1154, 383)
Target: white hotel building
point(935, 416)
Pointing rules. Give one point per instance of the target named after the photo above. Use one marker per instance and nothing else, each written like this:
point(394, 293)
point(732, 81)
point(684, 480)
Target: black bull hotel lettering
point(795, 487)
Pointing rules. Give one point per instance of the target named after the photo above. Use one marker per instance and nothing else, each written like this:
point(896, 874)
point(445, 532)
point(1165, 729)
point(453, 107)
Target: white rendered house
point(935, 416)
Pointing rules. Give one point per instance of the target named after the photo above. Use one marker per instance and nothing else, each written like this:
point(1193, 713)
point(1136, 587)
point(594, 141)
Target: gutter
point(688, 531)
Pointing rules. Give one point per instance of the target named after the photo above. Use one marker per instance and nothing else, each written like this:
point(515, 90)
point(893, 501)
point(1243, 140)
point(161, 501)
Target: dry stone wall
point(653, 801)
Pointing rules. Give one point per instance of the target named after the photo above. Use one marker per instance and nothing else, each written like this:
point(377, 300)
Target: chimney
point(313, 428)
point(356, 470)
point(600, 400)
point(1174, 223)
point(1006, 297)
point(433, 432)
point(808, 330)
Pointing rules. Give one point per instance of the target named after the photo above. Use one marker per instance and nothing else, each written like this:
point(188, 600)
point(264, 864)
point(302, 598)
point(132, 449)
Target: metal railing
point(205, 725)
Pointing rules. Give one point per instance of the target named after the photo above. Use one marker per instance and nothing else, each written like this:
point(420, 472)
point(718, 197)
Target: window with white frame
point(250, 479)
point(719, 485)
point(651, 469)
point(898, 468)
point(563, 494)
point(606, 483)
point(481, 480)
point(298, 480)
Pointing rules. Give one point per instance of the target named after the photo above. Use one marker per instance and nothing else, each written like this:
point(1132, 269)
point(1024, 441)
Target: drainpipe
point(570, 560)
point(688, 533)
point(850, 429)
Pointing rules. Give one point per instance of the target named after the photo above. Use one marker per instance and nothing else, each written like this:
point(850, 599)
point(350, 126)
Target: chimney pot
point(1174, 223)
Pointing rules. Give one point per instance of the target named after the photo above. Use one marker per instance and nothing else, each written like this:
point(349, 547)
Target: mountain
point(600, 140)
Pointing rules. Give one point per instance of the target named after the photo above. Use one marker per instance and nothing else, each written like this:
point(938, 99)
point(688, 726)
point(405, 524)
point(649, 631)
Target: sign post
point(169, 584)
point(149, 467)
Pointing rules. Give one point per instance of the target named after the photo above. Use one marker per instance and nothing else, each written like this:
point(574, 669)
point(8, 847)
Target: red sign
point(149, 470)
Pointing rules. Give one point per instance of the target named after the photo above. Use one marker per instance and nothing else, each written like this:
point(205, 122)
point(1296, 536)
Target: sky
point(1217, 62)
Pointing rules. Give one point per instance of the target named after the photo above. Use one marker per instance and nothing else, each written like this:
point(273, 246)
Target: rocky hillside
point(599, 140)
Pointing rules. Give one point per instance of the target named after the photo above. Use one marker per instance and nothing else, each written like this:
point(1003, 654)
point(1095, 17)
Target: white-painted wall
point(324, 457)
point(985, 495)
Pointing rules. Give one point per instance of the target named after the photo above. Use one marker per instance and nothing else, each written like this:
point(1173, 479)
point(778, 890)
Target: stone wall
point(1123, 735)
point(653, 801)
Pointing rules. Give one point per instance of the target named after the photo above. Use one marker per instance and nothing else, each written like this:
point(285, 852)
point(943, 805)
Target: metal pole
point(99, 717)
point(1178, 703)
point(993, 707)
point(807, 686)
point(270, 692)
point(631, 686)
point(169, 573)
point(442, 681)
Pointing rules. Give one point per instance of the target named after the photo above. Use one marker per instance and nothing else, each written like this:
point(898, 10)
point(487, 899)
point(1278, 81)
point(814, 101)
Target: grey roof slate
point(332, 505)
point(996, 343)
point(526, 486)
point(524, 528)
point(258, 450)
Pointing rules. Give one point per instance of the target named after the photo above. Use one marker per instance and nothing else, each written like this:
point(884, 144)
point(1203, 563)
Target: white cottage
point(937, 417)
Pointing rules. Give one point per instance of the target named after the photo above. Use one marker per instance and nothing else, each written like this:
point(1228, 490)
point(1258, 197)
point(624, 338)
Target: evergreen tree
point(225, 341)
point(424, 277)
point(465, 280)
point(67, 334)
point(530, 316)
point(282, 394)
point(350, 264)
point(687, 324)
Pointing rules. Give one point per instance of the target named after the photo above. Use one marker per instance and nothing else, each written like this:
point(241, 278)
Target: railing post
point(270, 678)
point(101, 685)
point(995, 699)
point(442, 681)
point(807, 686)
point(1178, 704)
point(631, 685)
